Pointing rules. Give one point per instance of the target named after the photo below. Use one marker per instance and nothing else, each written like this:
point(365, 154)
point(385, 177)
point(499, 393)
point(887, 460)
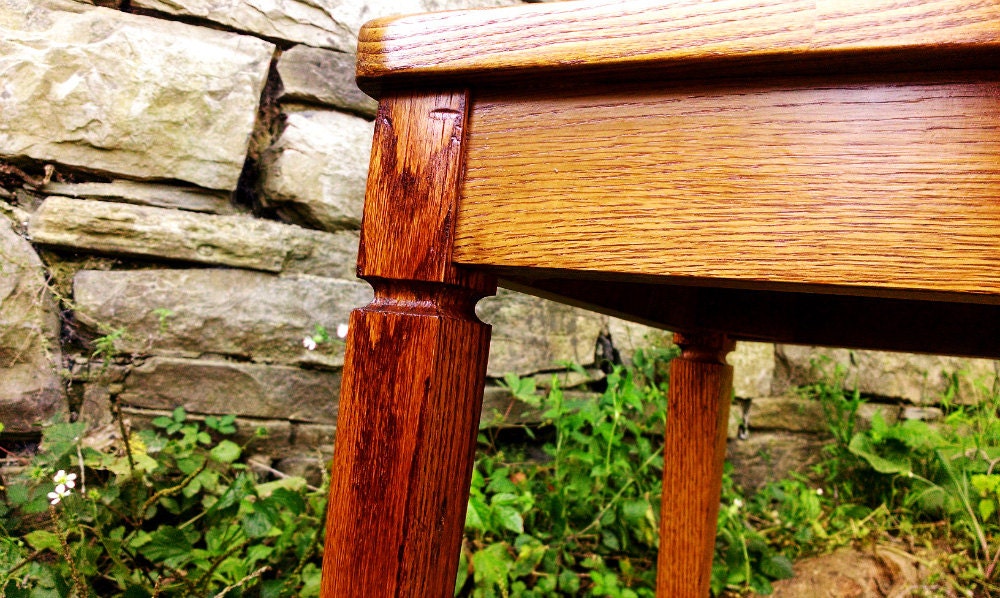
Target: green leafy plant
point(175, 514)
point(583, 520)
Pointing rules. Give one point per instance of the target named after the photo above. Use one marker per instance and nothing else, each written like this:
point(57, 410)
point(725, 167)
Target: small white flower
point(309, 343)
point(65, 479)
point(60, 492)
point(819, 492)
point(341, 330)
point(737, 503)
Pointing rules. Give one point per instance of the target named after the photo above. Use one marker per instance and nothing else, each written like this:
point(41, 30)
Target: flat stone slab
point(224, 387)
point(30, 356)
point(147, 194)
point(114, 92)
point(321, 76)
point(240, 241)
point(316, 171)
point(235, 313)
point(919, 379)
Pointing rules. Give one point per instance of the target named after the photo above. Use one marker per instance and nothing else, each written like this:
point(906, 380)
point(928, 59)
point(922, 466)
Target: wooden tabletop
point(650, 34)
point(796, 171)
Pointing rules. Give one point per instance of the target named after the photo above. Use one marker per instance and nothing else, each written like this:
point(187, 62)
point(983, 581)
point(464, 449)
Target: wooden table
point(822, 172)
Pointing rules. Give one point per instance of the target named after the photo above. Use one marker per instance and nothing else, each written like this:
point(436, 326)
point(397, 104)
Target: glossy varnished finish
point(650, 34)
point(786, 170)
point(414, 369)
point(409, 412)
point(693, 454)
point(411, 198)
point(887, 183)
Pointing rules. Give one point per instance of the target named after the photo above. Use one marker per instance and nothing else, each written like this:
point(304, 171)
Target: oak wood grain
point(413, 183)
point(693, 454)
point(886, 183)
point(410, 399)
point(643, 35)
point(414, 368)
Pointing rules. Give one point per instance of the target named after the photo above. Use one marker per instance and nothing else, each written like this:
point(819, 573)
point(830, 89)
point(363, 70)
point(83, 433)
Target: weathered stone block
point(753, 369)
point(795, 414)
point(532, 334)
point(916, 378)
point(320, 23)
point(110, 91)
point(240, 241)
point(236, 313)
point(243, 389)
point(324, 77)
point(30, 357)
point(148, 194)
point(315, 173)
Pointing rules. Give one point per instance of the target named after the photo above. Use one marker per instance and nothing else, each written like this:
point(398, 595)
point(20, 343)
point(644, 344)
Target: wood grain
point(409, 413)
point(887, 183)
point(413, 183)
point(693, 455)
point(414, 368)
point(643, 35)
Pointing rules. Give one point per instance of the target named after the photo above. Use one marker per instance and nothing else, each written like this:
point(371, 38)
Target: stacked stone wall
point(181, 185)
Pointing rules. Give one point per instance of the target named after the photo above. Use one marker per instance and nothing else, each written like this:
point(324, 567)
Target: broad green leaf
point(509, 519)
point(226, 451)
point(861, 445)
point(166, 544)
point(41, 540)
point(490, 566)
point(776, 566)
point(987, 507)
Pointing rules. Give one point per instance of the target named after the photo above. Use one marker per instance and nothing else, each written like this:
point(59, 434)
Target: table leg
point(693, 455)
point(414, 367)
point(409, 413)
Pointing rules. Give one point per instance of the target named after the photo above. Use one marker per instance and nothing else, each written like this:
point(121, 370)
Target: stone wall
point(181, 184)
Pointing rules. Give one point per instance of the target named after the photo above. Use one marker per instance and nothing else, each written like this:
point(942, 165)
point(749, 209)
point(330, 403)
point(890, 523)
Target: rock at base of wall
point(237, 313)
point(239, 241)
point(324, 77)
point(914, 378)
point(30, 356)
point(767, 456)
point(315, 173)
point(218, 387)
point(109, 91)
point(850, 573)
point(270, 437)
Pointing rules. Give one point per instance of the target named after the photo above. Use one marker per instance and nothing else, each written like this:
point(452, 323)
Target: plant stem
point(170, 491)
point(243, 581)
point(617, 495)
point(81, 587)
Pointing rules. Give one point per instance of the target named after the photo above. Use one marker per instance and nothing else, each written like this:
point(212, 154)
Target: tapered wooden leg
point(414, 368)
point(409, 414)
point(693, 456)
